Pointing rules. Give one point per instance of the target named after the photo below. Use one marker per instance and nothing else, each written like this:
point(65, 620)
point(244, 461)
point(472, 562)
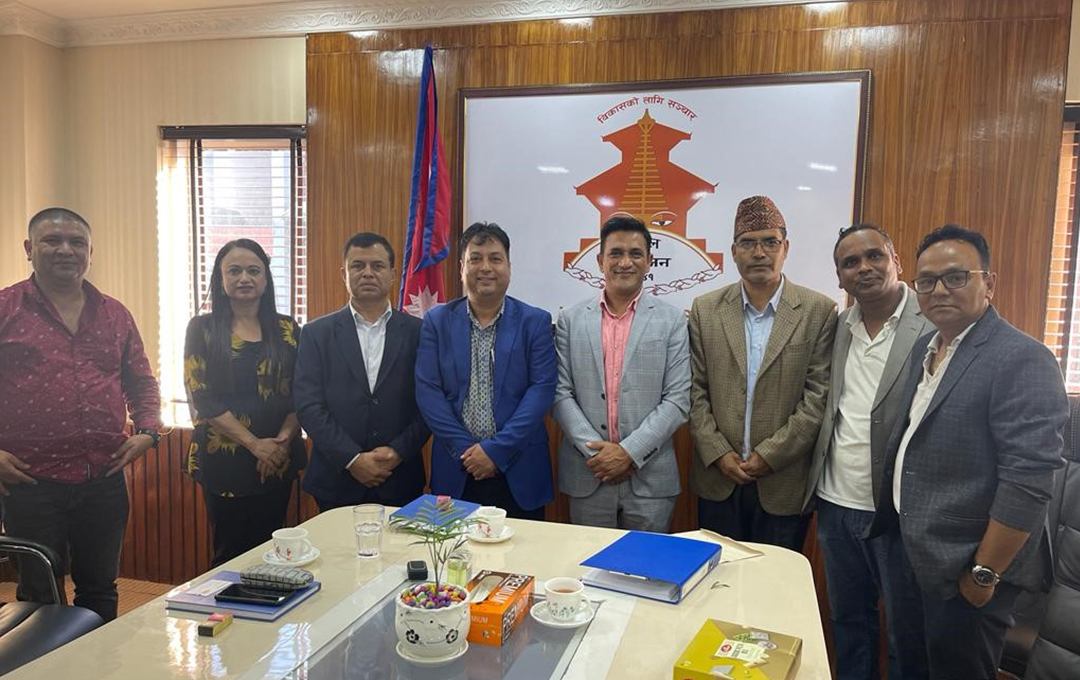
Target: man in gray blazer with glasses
point(623, 390)
point(970, 465)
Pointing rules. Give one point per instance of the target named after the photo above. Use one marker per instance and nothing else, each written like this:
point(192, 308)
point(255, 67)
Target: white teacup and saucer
point(565, 606)
point(291, 548)
point(492, 527)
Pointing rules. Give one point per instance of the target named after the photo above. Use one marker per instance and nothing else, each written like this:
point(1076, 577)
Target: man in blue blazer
point(354, 389)
point(485, 378)
point(970, 464)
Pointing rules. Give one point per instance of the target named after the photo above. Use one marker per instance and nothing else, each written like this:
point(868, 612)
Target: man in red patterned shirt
point(72, 366)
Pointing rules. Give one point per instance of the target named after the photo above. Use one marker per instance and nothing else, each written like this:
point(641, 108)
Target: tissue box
point(498, 615)
point(730, 650)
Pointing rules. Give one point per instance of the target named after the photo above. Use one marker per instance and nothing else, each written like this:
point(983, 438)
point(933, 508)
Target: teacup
point(566, 598)
point(292, 544)
point(492, 521)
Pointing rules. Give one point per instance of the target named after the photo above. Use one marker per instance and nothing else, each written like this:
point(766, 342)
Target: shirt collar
point(774, 301)
point(935, 342)
point(94, 299)
point(476, 324)
point(360, 320)
point(629, 308)
point(856, 311)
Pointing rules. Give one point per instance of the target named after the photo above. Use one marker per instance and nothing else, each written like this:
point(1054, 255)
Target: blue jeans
point(85, 521)
point(858, 571)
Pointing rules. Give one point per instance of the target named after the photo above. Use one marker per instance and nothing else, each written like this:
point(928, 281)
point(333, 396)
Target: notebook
point(656, 566)
point(200, 598)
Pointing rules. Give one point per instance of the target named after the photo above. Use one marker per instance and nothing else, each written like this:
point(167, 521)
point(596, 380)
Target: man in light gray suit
point(870, 356)
point(970, 465)
point(623, 390)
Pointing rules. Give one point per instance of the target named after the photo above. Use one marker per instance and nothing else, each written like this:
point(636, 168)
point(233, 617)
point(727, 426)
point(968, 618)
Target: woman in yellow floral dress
point(238, 369)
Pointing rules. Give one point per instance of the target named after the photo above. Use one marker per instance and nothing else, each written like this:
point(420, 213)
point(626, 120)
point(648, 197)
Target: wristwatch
point(984, 576)
point(153, 434)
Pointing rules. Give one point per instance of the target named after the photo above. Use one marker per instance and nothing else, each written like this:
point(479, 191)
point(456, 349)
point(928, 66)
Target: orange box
point(497, 616)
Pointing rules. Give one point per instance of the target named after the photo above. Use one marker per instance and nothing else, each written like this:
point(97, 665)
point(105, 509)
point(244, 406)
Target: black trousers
point(83, 523)
point(496, 491)
point(243, 522)
point(741, 517)
point(965, 643)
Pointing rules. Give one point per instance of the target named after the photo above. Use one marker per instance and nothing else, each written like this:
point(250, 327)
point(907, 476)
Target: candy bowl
point(432, 622)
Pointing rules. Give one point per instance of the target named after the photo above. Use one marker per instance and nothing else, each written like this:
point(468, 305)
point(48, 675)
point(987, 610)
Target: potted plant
point(432, 618)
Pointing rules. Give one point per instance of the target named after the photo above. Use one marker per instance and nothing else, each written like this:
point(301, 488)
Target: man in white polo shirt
point(870, 358)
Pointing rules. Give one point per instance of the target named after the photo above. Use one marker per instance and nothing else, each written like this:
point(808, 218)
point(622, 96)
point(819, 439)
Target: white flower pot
point(432, 634)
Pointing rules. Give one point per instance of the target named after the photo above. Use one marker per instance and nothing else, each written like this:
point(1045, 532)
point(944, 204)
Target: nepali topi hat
point(757, 213)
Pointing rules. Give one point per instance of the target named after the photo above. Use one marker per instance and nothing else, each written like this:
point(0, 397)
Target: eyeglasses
point(749, 245)
point(925, 285)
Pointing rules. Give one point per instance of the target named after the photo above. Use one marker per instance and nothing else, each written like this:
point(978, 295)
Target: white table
point(774, 591)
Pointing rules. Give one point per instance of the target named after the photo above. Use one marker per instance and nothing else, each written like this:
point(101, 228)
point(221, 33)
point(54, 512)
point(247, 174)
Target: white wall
point(31, 162)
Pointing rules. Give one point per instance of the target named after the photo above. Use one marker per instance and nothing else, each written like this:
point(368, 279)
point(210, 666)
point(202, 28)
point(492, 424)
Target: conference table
point(766, 586)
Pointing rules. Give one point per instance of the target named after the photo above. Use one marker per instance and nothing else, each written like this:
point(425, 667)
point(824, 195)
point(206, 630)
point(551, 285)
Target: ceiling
point(73, 23)
point(73, 10)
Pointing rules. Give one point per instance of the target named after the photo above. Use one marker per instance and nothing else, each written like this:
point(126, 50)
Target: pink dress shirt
point(614, 333)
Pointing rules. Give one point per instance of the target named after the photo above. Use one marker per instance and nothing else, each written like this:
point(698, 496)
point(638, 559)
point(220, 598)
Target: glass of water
point(368, 523)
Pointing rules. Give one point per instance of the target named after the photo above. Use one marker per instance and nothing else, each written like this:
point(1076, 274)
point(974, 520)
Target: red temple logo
point(647, 185)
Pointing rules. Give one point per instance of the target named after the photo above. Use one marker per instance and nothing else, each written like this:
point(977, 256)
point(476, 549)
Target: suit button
point(375, 433)
point(603, 396)
point(603, 427)
point(375, 402)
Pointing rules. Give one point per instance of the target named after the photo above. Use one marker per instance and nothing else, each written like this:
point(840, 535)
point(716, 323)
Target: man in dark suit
point(485, 378)
point(970, 467)
point(355, 391)
point(871, 355)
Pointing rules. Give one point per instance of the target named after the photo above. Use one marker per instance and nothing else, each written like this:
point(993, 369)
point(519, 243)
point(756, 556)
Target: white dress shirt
point(924, 394)
point(372, 337)
point(848, 481)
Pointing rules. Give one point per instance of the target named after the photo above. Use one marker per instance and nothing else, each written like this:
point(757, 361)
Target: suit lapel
point(787, 319)
point(731, 320)
point(505, 337)
point(908, 330)
point(642, 316)
point(596, 338)
point(461, 341)
point(391, 346)
point(840, 352)
point(349, 345)
point(965, 354)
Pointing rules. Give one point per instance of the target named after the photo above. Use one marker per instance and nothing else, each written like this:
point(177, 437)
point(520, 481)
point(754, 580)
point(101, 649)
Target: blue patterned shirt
point(478, 411)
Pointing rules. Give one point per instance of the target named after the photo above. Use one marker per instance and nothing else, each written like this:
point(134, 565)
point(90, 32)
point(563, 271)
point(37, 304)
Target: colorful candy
point(423, 596)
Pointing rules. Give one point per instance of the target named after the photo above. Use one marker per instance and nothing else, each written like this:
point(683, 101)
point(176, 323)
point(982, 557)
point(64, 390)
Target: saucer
point(540, 613)
point(507, 534)
point(271, 558)
point(440, 661)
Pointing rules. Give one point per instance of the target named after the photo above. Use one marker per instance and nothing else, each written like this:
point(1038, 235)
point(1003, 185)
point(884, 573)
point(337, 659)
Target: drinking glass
point(368, 522)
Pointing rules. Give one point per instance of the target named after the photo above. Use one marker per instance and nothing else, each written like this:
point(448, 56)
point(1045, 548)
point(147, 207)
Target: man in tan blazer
point(760, 352)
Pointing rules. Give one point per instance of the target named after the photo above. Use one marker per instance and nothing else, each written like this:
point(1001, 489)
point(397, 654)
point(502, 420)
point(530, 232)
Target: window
point(216, 184)
point(1062, 311)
